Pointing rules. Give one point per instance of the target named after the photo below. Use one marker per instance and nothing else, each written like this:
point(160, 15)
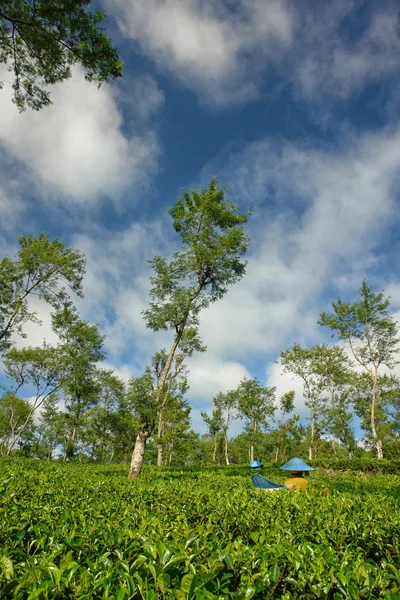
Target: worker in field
point(298, 470)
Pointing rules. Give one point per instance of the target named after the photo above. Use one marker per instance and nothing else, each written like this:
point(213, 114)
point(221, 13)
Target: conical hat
point(296, 464)
point(255, 464)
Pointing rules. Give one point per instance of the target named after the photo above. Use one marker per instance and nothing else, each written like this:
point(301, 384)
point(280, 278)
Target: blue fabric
point(255, 464)
point(296, 464)
point(266, 484)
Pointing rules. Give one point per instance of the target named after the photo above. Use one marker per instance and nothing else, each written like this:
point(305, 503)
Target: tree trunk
point(215, 449)
point(378, 443)
point(310, 450)
point(159, 435)
point(251, 451)
point(226, 448)
point(138, 454)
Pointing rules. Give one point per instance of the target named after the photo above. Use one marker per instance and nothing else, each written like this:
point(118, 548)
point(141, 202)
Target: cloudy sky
point(293, 104)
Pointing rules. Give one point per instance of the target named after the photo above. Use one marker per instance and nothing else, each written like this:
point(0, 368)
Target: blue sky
point(293, 104)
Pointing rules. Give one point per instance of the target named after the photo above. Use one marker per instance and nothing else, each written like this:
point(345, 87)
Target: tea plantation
point(86, 532)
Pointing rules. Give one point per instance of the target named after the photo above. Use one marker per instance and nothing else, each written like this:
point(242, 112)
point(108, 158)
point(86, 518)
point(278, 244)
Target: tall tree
point(81, 347)
point(41, 39)
point(142, 401)
point(50, 426)
point(178, 434)
point(372, 334)
point(176, 383)
point(15, 418)
point(317, 367)
point(215, 424)
point(101, 423)
point(213, 244)
point(36, 368)
point(387, 397)
point(42, 267)
point(256, 405)
point(286, 406)
point(228, 404)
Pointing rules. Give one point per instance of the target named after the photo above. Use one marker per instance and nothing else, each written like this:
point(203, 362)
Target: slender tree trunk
point(17, 435)
point(251, 451)
point(162, 404)
point(138, 454)
point(160, 447)
point(378, 443)
point(226, 448)
point(310, 450)
point(215, 449)
point(277, 453)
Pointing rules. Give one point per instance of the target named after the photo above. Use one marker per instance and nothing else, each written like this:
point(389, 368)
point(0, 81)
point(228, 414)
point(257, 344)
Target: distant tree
point(41, 268)
point(175, 385)
point(102, 423)
point(228, 404)
point(177, 435)
point(213, 244)
point(340, 409)
point(387, 400)
point(37, 369)
point(81, 347)
point(255, 403)
point(49, 428)
point(41, 39)
point(286, 406)
point(215, 425)
point(318, 367)
point(142, 401)
point(15, 418)
point(372, 334)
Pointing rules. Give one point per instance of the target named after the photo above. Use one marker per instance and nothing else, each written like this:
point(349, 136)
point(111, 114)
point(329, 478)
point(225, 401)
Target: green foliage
point(213, 244)
point(322, 369)
point(142, 401)
point(372, 334)
point(194, 535)
point(14, 412)
point(255, 403)
point(363, 464)
point(367, 325)
point(80, 348)
point(40, 40)
point(42, 267)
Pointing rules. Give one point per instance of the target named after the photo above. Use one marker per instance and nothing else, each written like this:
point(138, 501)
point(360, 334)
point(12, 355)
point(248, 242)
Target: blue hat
point(296, 464)
point(255, 464)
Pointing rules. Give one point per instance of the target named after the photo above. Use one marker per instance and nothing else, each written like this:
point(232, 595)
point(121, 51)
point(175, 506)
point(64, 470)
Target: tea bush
point(86, 532)
point(367, 465)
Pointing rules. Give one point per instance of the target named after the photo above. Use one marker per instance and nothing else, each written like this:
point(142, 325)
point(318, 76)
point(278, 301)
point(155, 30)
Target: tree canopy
point(41, 39)
point(42, 267)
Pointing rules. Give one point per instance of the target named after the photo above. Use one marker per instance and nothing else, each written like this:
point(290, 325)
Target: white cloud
point(284, 382)
point(142, 95)
point(37, 333)
point(225, 51)
point(215, 49)
point(76, 147)
point(318, 216)
point(211, 374)
point(328, 63)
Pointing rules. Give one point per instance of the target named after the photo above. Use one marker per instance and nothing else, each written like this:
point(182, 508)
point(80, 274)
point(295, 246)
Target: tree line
point(73, 405)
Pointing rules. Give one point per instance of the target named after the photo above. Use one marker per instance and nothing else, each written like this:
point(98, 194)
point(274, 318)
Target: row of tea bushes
point(366, 465)
point(86, 532)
